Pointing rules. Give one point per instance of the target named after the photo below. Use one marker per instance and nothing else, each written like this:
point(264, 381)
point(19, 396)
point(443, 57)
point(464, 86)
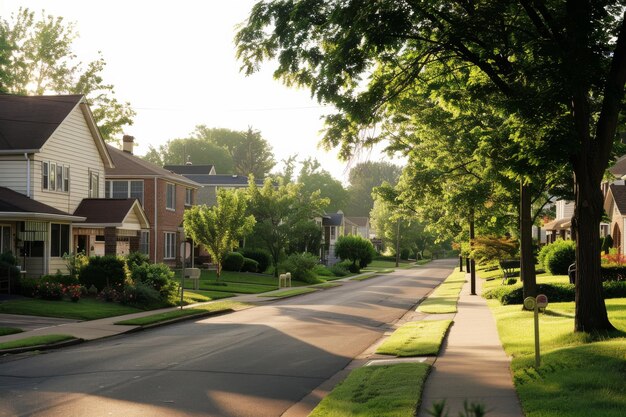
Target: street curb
point(64, 343)
point(139, 328)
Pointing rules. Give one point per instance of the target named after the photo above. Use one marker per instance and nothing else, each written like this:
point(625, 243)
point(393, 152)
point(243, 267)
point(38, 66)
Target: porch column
point(110, 241)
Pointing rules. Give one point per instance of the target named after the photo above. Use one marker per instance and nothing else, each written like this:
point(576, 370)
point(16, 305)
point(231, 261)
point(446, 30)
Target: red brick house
point(163, 195)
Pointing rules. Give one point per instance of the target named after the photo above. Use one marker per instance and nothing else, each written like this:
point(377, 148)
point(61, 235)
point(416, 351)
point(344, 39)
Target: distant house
point(335, 225)
point(210, 181)
point(362, 226)
point(615, 207)
point(162, 194)
point(52, 158)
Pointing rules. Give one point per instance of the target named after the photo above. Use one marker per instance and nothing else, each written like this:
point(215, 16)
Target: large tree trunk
point(527, 264)
point(591, 312)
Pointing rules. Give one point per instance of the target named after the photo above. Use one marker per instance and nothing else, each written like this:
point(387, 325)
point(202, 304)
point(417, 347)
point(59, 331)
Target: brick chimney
point(127, 143)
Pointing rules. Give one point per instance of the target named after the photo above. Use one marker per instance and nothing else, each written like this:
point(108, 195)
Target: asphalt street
point(257, 362)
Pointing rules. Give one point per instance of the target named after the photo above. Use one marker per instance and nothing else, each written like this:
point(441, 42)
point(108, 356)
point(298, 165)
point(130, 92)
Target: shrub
point(104, 271)
point(28, 286)
point(510, 294)
point(613, 272)
point(50, 290)
point(75, 262)
point(156, 276)
point(260, 255)
point(233, 262)
point(301, 266)
point(511, 281)
point(59, 278)
point(135, 259)
point(8, 266)
point(141, 295)
point(321, 271)
point(249, 265)
point(487, 249)
point(559, 259)
point(339, 270)
point(404, 254)
point(356, 249)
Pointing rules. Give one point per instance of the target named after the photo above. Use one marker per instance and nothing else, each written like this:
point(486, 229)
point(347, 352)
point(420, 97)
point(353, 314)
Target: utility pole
point(398, 244)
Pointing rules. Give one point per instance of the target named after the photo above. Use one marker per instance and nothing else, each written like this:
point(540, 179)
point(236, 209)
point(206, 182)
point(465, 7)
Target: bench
point(194, 275)
point(284, 280)
point(508, 267)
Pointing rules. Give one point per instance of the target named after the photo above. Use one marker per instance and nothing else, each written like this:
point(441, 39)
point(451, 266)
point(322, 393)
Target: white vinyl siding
point(13, 173)
point(71, 145)
point(170, 245)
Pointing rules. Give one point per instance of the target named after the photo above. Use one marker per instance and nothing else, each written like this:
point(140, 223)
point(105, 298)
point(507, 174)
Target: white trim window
point(144, 242)
point(188, 196)
point(94, 184)
point(124, 189)
point(45, 174)
point(170, 196)
point(170, 245)
point(59, 239)
point(55, 176)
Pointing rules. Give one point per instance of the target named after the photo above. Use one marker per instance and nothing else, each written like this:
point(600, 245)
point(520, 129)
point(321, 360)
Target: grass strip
point(417, 338)
point(85, 309)
point(9, 330)
point(235, 287)
point(175, 314)
point(200, 296)
point(326, 285)
point(289, 293)
point(376, 391)
point(580, 374)
point(444, 298)
point(35, 341)
point(364, 277)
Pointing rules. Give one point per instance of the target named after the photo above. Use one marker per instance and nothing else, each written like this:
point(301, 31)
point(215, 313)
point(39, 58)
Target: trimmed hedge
point(613, 272)
point(233, 262)
point(262, 256)
point(249, 265)
point(556, 293)
point(104, 271)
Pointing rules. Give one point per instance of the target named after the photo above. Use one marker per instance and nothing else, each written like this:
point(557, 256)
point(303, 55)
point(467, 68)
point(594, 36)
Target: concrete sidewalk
point(472, 364)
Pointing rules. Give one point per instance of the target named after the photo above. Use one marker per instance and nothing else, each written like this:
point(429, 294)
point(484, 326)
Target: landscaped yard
point(85, 309)
point(580, 374)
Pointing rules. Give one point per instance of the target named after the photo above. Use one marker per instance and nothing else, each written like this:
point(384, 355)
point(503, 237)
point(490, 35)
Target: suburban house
point(162, 194)
point(210, 181)
point(362, 226)
point(44, 185)
point(335, 225)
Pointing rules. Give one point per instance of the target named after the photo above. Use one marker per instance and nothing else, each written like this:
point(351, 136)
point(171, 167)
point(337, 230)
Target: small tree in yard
point(219, 228)
point(355, 249)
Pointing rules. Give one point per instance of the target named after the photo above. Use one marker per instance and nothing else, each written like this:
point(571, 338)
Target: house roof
point(225, 180)
point(110, 211)
point(332, 219)
point(191, 169)
point(129, 166)
point(618, 194)
point(359, 221)
point(14, 204)
point(26, 123)
point(619, 168)
point(558, 224)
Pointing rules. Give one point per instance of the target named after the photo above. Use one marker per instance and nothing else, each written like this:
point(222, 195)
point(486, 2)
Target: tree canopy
point(36, 58)
point(554, 70)
point(363, 178)
point(313, 178)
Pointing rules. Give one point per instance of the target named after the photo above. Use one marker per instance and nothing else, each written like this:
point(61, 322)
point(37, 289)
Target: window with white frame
point(124, 189)
point(170, 246)
point(188, 196)
point(55, 176)
point(59, 239)
point(5, 239)
point(170, 197)
point(94, 185)
point(332, 232)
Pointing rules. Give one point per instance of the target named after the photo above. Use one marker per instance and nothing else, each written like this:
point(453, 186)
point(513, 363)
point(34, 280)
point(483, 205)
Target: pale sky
point(174, 61)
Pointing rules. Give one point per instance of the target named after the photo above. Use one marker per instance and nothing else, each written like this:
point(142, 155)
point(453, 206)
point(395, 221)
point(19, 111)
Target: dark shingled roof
point(189, 169)
point(619, 195)
point(332, 219)
point(359, 221)
point(206, 179)
point(27, 122)
point(104, 210)
point(14, 202)
point(129, 166)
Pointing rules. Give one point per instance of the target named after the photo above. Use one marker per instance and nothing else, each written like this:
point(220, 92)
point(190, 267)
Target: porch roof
point(111, 212)
point(17, 206)
point(558, 224)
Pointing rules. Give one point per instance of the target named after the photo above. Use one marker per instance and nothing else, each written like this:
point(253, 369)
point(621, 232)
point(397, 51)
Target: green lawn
point(444, 298)
point(9, 330)
point(200, 296)
point(326, 285)
point(35, 341)
point(376, 391)
point(418, 338)
point(580, 374)
point(85, 309)
point(196, 311)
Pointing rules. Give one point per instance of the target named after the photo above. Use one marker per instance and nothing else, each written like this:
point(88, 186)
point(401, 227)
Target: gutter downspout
point(27, 174)
point(155, 221)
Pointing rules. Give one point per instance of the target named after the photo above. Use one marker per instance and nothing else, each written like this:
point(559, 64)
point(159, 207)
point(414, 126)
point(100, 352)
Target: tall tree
point(313, 178)
point(363, 177)
point(250, 153)
point(36, 58)
point(194, 150)
point(280, 210)
point(219, 228)
point(558, 67)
